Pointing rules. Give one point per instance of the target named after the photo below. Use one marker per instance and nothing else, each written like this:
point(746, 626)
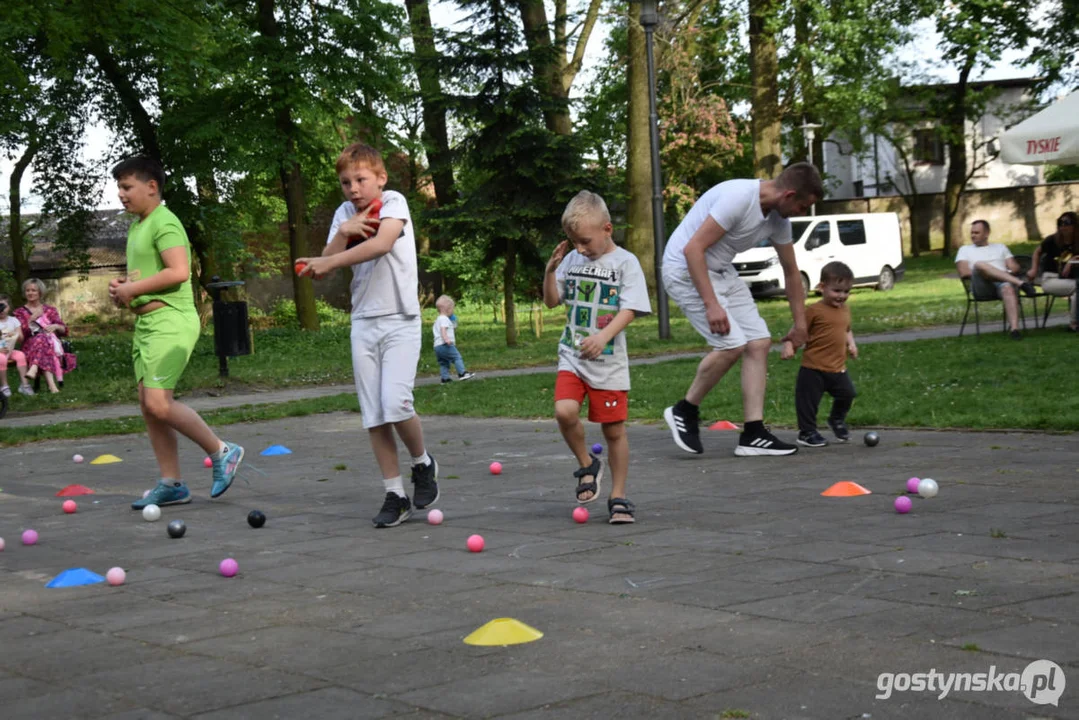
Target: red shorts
point(604, 406)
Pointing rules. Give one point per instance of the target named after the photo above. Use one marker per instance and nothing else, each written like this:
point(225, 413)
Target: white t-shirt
point(594, 291)
point(443, 321)
point(388, 285)
point(9, 330)
point(736, 206)
point(993, 253)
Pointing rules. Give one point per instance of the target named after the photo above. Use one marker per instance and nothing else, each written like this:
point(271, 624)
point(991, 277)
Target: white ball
point(151, 513)
point(928, 488)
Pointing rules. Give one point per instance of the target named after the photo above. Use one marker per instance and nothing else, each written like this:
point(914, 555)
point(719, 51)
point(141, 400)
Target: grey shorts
point(733, 294)
point(985, 289)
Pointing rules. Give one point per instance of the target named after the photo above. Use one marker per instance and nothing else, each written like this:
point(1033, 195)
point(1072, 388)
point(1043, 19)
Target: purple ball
point(229, 567)
point(903, 504)
point(597, 449)
point(912, 485)
point(29, 537)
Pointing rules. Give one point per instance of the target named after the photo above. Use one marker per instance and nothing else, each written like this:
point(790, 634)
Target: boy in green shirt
point(157, 288)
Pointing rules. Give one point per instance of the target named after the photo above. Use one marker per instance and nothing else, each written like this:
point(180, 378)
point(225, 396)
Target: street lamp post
point(649, 20)
point(810, 130)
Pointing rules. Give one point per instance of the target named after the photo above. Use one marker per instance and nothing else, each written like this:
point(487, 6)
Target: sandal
point(596, 471)
point(621, 507)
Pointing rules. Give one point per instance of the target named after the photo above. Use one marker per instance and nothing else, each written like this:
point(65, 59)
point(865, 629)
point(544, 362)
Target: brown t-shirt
point(827, 347)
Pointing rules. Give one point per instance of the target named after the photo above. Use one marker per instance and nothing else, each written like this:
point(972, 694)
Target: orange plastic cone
point(846, 488)
point(723, 425)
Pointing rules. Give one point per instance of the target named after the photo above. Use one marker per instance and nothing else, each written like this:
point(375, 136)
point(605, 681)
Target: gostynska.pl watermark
point(1041, 682)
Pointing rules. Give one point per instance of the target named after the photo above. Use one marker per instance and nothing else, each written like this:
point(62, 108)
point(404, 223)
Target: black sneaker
point(763, 443)
point(425, 484)
point(684, 428)
point(446, 380)
point(840, 430)
point(811, 439)
point(1028, 288)
point(395, 510)
point(1015, 335)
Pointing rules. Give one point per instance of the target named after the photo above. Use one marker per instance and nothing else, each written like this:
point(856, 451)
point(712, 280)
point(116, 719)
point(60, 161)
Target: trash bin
point(232, 332)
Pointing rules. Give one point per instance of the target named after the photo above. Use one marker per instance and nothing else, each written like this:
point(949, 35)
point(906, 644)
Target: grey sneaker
point(24, 389)
point(5, 391)
point(172, 494)
point(425, 484)
point(840, 430)
point(395, 510)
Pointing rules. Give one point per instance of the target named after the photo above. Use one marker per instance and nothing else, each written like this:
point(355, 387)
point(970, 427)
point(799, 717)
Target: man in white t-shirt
point(993, 273)
point(699, 275)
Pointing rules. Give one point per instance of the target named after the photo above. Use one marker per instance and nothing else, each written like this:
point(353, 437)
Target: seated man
point(993, 273)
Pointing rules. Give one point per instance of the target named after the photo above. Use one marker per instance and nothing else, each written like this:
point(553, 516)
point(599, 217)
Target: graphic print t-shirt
point(593, 292)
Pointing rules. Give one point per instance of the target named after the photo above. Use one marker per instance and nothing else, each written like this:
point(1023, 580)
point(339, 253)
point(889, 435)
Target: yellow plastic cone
point(846, 488)
point(503, 631)
point(105, 460)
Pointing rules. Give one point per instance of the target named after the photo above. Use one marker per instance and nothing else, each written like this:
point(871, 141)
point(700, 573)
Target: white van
point(870, 243)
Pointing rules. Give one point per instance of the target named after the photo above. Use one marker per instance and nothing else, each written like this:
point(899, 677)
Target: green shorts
point(164, 340)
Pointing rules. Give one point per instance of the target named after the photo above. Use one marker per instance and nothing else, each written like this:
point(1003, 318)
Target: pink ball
point(496, 468)
point(475, 543)
point(116, 576)
point(903, 504)
point(912, 485)
point(229, 567)
point(207, 462)
point(77, 458)
point(2, 544)
point(580, 514)
point(435, 517)
point(29, 537)
point(70, 506)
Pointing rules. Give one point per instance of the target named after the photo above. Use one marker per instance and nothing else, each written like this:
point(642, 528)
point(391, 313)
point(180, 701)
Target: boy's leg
point(396, 507)
point(610, 408)
point(458, 361)
point(843, 393)
point(569, 393)
point(617, 456)
point(808, 390)
point(443, 362)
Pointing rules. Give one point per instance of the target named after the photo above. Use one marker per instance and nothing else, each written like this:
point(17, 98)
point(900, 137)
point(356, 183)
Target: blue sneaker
point(175, 493)
point(225, 469)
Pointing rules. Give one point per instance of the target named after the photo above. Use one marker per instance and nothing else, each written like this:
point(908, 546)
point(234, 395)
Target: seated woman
point(1057, 261)
point(42, 329)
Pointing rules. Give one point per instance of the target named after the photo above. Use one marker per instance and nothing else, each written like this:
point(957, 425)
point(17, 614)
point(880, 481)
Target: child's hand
point(359, 225)
point(853, 350)
point(314, 266)
point(558, 255)
point(121, 294)
point(590, 347)
point(787, 351)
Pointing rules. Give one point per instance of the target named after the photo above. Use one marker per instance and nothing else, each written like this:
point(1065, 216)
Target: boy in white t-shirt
point(699, 275)
point(604, 289)
point(993, 273)
point(386, 325)
point(10, 337)
point(446, 341)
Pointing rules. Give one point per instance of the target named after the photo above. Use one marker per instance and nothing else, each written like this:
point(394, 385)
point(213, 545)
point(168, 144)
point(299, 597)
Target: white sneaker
point(5, 391)
point(25, 390)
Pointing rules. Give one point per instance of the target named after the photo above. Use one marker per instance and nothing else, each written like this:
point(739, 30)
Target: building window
point(927, 147)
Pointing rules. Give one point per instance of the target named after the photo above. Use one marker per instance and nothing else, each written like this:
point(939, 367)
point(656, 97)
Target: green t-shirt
point(146, 240)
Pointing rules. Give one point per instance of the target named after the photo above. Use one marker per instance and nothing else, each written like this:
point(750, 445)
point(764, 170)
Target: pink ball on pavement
point(912, 485)
point(29, 537)
point(116, 576)
point(229, 567)
point(475, 543)
point(580, 514)
point(496, 468)
point(903, 504)
point(435, 517)
point(70, 506)
point(2, 544)
point(77, 458)
point(207, 462)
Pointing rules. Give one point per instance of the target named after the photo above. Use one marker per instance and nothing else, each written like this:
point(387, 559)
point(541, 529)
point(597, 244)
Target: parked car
point(870, 243)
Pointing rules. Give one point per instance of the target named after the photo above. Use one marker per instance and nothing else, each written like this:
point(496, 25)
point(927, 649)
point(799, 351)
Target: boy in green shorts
point(157, 288)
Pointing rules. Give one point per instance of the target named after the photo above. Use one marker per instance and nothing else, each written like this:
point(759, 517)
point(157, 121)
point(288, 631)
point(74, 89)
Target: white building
point(880, 171)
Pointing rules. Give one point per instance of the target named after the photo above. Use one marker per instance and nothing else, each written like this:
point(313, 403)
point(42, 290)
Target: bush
point(283, 313)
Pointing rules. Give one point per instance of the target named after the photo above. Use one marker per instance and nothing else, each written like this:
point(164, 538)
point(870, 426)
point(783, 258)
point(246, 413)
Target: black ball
point(256, 519)
point(176, 529)
point(871, 439)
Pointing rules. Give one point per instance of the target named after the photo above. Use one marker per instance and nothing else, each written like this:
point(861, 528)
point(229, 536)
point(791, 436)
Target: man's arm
point(796, 298)
point(1012, 265)
point(1035, 263)
point(708, 234)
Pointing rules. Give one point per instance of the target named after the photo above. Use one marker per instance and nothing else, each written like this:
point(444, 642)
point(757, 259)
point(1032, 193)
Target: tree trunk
point(291, 175)
point(551, 72)
point(639, 153)
point(20, 254)
point(509, 287)
point(956, 122)
point(764, 66)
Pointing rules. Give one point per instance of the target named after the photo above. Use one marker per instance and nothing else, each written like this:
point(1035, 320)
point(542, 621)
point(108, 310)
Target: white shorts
point(385, 352)
point(733, 294)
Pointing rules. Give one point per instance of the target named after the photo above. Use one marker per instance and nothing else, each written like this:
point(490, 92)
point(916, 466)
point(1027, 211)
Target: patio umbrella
point(1051, 136)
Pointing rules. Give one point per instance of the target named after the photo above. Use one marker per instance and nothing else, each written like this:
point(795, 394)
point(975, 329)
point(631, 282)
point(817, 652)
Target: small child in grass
point(446, 341)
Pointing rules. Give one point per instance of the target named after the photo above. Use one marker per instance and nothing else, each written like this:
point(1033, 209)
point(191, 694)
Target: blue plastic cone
point(276, 450)
point(74, 577)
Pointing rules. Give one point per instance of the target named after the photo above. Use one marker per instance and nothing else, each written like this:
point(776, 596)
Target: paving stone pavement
point(740, 592)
